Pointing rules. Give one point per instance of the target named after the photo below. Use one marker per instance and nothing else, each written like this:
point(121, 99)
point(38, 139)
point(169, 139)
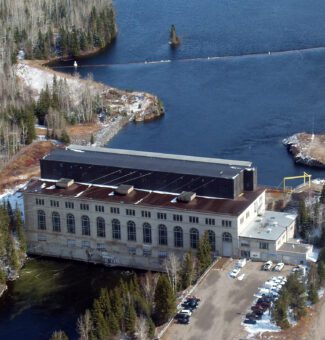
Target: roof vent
point(124, 189)
point(186, 196)
point(64, 183)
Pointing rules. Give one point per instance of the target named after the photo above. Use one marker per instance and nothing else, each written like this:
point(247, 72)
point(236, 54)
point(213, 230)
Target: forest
point(43, 29)
point(12, 242)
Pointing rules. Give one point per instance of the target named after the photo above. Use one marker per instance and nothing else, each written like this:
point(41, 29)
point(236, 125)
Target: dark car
point(185, 320)
point(180, 316)
point(258, 308)
point(190, 304)
point(250, 321)
point(254, 316)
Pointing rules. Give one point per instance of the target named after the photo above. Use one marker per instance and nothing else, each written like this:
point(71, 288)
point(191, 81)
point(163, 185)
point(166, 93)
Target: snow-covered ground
point(321, 293)
point(313, 255)
point(262, 326)
point(14, 197)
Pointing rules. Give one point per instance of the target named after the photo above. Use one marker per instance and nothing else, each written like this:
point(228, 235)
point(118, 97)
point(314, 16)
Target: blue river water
point(240, 107)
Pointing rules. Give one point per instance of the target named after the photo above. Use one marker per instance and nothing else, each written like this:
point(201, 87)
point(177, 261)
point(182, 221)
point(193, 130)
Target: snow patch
point(321, 293)
point(15, 197)
point(313, 255)
point(262, 326)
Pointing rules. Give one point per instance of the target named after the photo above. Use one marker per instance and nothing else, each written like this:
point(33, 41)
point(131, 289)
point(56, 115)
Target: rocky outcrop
point(307, 149)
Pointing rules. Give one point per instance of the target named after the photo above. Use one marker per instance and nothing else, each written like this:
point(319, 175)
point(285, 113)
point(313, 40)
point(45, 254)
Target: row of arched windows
point(131, 230)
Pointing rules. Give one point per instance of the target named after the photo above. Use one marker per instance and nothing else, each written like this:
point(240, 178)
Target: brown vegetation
point(24, 165)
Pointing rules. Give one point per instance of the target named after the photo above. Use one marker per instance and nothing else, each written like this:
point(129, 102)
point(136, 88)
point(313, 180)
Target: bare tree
point(149, 283)
point(141, 328)
point(172, 266)
point(84, 325)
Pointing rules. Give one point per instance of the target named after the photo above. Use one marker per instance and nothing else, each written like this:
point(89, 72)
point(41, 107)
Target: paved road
point(224, 301)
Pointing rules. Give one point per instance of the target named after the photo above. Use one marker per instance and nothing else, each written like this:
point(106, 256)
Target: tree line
point(44, 29)
point(135, 307)
point(12, 241)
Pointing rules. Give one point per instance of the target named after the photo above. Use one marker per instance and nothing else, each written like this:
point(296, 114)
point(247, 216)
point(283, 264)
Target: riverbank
point(123, 106)
point(307, 149)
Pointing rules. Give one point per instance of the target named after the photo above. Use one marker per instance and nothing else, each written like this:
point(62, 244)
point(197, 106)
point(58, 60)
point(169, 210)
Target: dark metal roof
point(148, 161)
point(145, 198)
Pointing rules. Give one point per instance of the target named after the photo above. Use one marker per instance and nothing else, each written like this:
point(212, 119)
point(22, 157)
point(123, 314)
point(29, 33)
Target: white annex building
point(132, 209)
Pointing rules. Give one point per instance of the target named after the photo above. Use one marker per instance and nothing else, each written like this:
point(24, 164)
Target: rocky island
point(307, 149)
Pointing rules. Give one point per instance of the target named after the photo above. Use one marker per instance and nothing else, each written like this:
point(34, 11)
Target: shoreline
point(307, 149)
point(124, 106)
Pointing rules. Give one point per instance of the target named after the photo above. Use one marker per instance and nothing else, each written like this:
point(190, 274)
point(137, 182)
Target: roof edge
point(80, 148)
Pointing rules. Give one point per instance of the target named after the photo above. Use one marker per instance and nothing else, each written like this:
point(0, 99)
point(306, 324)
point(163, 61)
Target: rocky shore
point(124, 106)
point(307, 149)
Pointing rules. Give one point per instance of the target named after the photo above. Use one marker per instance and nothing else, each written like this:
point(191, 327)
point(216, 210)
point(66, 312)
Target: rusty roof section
point(144, 197)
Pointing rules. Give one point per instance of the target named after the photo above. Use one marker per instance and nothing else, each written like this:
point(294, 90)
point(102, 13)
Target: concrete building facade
point(137, 227)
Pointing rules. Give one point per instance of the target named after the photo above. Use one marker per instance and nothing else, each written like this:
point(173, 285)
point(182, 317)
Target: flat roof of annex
point(151, 161)
point(144, 198)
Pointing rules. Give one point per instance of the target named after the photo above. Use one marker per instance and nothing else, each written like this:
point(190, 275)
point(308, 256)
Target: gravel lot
point(224, 302)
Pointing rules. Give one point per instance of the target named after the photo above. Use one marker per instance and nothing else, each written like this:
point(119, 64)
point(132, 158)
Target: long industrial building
point(133, 209)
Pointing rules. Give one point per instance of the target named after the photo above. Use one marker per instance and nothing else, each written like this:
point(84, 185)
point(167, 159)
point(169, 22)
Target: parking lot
point(224, 303)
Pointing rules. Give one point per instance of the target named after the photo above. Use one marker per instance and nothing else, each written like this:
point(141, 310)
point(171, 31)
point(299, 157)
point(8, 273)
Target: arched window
point(194, 238)
point(147, 233)
point(132, 233)
point(56, 222)
point(85, 225)
point(41, 220)
point(212, 239)
point(226, 237)
point(71, 225)
point(116, 229)
point(162, 235)
point(101, 227)
point(178, 237)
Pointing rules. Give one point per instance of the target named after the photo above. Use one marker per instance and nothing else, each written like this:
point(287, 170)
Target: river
point(50, 295)
point(238, 107)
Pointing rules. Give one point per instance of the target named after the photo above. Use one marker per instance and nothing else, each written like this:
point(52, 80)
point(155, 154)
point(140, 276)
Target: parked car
point(279, 267)
point(190, 304)
point(185, 320)
point(267, 265)
point(186, 312)
point(250, 321)
point(235, 272)
point(241, 263)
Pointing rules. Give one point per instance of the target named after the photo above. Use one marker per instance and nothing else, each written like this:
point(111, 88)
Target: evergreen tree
point(204, 253)
point(113, 324)
point(64, 138)
point(100, 329)
point(321, 272)
point(130, 318)
point(30, 124)
point(18, 223)
point(304, 220)
point(312, 294)
point(151, 329)
point(187, 271)
point(92, 139)
point(43, 105)
point(279, 312)
point(322, 196)
point(117, 306)
point(165, 302)
point(2, 277)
